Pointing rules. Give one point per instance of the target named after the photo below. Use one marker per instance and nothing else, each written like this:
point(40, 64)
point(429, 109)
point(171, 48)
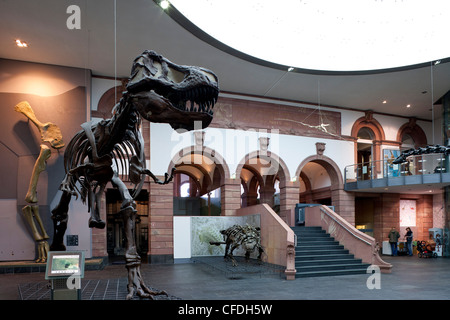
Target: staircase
point(318, 254)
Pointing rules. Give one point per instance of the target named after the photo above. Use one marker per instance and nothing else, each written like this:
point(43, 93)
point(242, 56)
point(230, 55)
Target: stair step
point(331, 267)
point(319, 254)
point(314, 239)
point(313, 256)
point(325, 273)
point(302, 252)
point(321, 244)
point(317, 262)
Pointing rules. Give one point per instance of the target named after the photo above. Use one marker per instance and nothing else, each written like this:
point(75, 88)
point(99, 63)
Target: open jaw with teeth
point(179, 95)
point(198, 100)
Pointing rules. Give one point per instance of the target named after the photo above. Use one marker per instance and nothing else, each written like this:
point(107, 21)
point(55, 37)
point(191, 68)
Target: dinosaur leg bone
point(60, 218)
point(39, 166)
point(95, 198)
point(28, 214)
point(136, 283)
point(31, 214)
point(133, 260)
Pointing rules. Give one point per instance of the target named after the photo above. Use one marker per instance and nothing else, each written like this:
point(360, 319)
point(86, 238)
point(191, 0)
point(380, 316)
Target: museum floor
point(412, 278)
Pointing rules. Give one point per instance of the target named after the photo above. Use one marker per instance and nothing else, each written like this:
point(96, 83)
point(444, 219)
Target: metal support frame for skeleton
point(158, 91)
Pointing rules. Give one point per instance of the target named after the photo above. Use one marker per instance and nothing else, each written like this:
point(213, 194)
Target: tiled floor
point(412, 278)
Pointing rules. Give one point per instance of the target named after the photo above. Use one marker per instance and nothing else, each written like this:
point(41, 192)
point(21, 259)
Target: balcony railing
point(418, 166)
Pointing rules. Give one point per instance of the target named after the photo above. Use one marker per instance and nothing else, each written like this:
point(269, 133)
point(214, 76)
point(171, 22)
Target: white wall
point(234, 145)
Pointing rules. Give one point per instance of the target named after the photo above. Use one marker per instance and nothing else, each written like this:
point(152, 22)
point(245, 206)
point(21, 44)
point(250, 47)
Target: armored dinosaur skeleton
point(248, 237)
point(158, 91)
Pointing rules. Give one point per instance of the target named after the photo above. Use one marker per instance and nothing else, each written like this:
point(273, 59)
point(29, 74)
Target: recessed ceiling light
point(384, 101)
point(290, 69)
point(408, 106)
point(21, 44)
point(164, 4)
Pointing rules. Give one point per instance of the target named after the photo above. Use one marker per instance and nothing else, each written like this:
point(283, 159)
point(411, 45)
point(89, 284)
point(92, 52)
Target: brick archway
point(282, 172)
point(369, 122)
point(330, 166)
point(107, 102)
point(414, 131)
point(288, 189)
point(207, 152)
point(342, 201)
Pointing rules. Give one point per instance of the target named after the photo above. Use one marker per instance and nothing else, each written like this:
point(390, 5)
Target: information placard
point(63, 264)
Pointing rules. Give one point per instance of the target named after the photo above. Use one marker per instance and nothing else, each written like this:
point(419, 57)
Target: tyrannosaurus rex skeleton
point(158, 91)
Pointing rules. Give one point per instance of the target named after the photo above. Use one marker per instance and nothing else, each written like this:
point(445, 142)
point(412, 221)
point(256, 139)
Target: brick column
point(230, 197)
point(344, 204)
point(266, 194)
point(289, 197)
point(160, 223)
point(386, 215)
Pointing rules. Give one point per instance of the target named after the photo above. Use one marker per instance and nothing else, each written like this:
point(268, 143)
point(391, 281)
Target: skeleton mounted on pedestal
point(158, 91)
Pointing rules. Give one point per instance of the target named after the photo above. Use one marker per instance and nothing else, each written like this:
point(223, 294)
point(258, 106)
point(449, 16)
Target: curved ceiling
point(327, 35)
point(113, 33)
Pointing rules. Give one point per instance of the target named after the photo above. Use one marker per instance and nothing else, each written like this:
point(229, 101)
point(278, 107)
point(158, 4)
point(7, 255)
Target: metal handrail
point(435, 163)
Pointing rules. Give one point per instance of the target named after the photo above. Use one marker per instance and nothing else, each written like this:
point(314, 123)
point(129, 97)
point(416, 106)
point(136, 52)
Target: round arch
point(207, 152)
point(108, 100)
point(210, 170)
point(414, 131)
point(282, 172)
point(266, 167)
point(329, 165)
point(379, 136)
point(368, 122)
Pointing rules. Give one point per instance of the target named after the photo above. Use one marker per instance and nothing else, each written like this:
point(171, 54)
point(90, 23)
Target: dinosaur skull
point(169, 93)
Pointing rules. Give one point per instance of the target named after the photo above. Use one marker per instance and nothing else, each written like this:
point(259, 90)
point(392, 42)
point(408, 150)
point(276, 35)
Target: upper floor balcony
point(424, 173)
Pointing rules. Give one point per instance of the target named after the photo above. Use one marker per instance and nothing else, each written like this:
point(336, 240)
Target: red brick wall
point(387, 215)
point(161, 222)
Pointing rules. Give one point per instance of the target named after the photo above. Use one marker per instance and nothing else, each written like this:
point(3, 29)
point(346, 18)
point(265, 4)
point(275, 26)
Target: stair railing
point(361, 245)
point(277, 238)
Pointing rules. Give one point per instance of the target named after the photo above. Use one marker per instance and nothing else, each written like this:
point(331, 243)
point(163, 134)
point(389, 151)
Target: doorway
point(364, 153)
point(364, 212)
point(116, 242)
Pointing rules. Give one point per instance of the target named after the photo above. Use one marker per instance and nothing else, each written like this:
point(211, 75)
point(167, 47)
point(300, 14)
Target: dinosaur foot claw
point(136, 285)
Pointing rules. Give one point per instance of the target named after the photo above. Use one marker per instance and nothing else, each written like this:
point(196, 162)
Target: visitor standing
point(409, 238)
point(393, 239)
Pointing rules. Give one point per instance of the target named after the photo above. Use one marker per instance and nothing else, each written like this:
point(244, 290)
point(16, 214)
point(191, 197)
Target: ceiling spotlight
point(408, 105)
point(437, 62)
point(21, 44)
point(164, 4)
point(290, 69)
point(384, 101)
